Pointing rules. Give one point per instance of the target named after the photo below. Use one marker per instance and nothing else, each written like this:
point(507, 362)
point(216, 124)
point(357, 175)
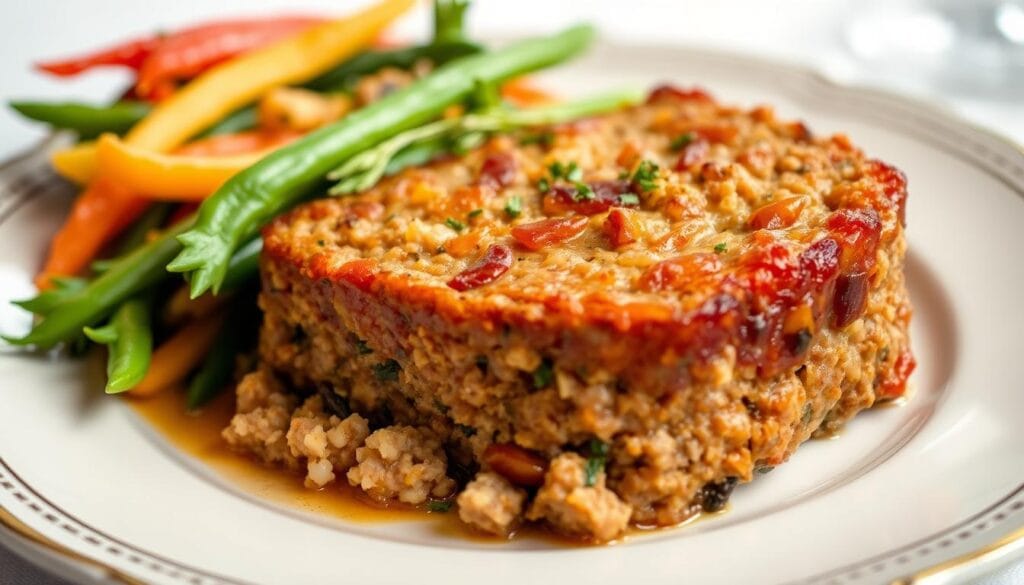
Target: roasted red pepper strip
point(189, 52)
point(130, 54)
point(545, 232)
point(495, 262)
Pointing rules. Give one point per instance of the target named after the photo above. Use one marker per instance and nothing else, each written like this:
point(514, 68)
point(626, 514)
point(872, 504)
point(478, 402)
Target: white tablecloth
point(805, 31)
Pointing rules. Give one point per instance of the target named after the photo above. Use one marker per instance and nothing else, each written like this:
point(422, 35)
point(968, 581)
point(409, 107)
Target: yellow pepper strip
point(76, 163)
point(242, 80)
point(178, 356)
point(164, 176)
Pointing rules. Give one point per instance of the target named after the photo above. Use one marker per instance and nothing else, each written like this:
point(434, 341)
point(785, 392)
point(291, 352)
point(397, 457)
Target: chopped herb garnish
point(556, 169)
point(440, 506)
point(362, 348)
point(475, 213)
point(805, 417)
point(441, 406)
point(455, 224)
point(465, 429)
point(573, 173)
point(598, 455)
point(623, 175)
point(320, 243)
point(543, 375)
point(720, 248)
point(679, 142)
point(387, 371)
point(629, 199)
point(514, 206)
point(543, 185)
point(645, 175)
point(583, 192)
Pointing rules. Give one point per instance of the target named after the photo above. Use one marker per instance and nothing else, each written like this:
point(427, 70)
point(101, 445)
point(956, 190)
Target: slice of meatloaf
point(624, 315)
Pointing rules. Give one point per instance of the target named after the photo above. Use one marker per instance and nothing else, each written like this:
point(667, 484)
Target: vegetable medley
point(229, 124)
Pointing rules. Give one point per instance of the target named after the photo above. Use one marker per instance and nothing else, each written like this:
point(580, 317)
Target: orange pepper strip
point(238, 143)
point(178, 356)
point(524, 94)
point(101, 211)
point(167, 177)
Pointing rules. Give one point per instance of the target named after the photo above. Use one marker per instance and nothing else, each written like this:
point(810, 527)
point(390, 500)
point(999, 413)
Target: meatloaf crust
point(631, 313)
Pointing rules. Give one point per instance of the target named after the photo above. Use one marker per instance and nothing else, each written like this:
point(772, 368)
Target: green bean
point(87, 120)
point(129, 340)
point(250, 198)
point(417, 154)
point(128, 276)
point(450, 21)
point(152, 219)
point(244, 265)
point(236, 334)
point(449, 43)
point(64, 287)
point(237, 121)
point(344, 76)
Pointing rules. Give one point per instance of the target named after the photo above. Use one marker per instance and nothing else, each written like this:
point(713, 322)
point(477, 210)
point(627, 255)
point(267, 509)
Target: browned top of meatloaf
point(698, 224)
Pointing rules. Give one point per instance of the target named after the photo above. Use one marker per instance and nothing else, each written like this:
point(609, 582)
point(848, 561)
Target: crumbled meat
point(327, 442)
point(402, 462)
point(567, 503)
point(263, 413)
point(491, 504)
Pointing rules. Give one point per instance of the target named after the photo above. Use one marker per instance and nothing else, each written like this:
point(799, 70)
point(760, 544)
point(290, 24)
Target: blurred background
point(965, 55)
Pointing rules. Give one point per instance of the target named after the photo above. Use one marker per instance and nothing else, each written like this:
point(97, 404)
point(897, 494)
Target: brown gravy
point(198, 435)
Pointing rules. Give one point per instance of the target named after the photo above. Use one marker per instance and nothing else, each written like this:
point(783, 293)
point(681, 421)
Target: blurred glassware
point(972, 48)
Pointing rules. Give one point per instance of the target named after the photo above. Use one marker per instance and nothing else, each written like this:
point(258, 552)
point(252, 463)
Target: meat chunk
point(260, 425)
point(327, 442)
point(403, 463)
point(499, 310)
point(491, 504)
point(573, 507)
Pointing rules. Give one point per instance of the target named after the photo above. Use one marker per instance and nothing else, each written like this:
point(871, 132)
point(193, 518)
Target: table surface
point(811, 32)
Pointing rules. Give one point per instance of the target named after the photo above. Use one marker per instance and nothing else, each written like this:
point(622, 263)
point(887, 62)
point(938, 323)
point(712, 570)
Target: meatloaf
point(597, 325)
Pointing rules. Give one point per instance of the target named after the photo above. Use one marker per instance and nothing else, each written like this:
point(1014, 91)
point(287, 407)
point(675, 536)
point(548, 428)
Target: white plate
point(901, 490)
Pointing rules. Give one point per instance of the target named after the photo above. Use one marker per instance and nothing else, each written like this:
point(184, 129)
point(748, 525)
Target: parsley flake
point(455, 224)
point(628, 199)
point(362, 348)
point(440, 506)
point(543, 375)
point(475, 213)
point(387, 371)
point(573, 173)
point(583, 192)
point(720, 248)
point(680, 142)
point(598, 456)
point(514, 206)
point(646, 175)
point(543, 185)
point(556, 169)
